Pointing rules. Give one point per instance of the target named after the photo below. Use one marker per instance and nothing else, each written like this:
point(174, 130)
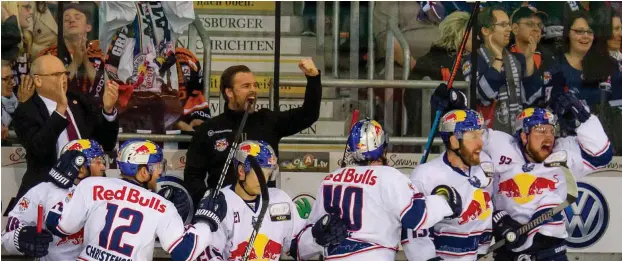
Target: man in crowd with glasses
point(54, 116)
point(505, 81)
point(527, 25)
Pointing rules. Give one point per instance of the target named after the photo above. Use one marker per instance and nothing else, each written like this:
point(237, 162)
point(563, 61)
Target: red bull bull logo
point(526, 113)
point(377, 127)
point(479, 208)
point(264, 249)
point(456, 116)
point(146, 148)
point(23, 204)
point(79, 145)
point(524, 187)
point(76, 239)
point(251, 149)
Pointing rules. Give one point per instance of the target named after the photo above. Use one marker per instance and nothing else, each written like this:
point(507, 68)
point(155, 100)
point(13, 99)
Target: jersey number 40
point(112, 240)
point(346, 203)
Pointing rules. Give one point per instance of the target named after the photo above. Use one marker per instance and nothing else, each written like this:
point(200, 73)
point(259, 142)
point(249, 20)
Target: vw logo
point(588, 217)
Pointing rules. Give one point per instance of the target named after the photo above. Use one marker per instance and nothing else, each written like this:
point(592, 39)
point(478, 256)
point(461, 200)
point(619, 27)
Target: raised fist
point(308, 67)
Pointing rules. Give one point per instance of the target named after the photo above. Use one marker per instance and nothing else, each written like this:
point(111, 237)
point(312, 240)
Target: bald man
point(54, 116)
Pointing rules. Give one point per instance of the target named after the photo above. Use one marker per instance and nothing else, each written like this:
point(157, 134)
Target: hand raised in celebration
point(308, 67)
point(111, 95)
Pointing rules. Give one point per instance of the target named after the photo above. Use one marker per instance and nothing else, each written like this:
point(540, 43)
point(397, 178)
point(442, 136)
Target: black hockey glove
point(329, 230)
point(67, 168)
point(570, 111)
point(179, 198)
point(447, 99)
point(31, 243)
point(504, 227)
point(211, 210)
point(453, 199)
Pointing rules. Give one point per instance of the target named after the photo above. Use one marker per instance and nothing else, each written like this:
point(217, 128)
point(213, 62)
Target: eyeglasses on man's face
point(55, 74)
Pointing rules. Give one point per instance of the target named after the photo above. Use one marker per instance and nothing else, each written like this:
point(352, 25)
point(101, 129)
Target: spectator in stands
point(54, 116)
point(526, 24)
point(212, 140)
point(16, 36)
point(614, 43)
point(585, 45)
point(437, 63)
point(45, 29)
point(84, 60)
point(9, 101)
point(502, 93)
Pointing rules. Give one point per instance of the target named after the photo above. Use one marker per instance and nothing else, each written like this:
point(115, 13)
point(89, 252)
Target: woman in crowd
point(437, 63)
point(17, 38)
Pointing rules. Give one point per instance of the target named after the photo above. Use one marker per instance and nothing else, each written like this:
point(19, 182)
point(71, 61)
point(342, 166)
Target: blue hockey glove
point(329, 230)
point(211, 210)
point(31, 243)
point(447, 99)
point(570, 111)
point(505, 227)
point(453, 199)
point(67, 168)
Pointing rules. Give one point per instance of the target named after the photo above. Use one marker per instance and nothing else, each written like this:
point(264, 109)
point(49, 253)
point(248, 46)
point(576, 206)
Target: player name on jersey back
point(349, 175)
point(132, 196)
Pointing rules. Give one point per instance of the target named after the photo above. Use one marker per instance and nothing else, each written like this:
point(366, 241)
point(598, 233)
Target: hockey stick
point(355, 118)
point(265, 198)
point(557, 159)
point(234, 148)
point(454, 71)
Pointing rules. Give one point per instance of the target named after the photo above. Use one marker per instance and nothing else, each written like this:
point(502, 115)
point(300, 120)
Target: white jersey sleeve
point(74, 213)
point(589, 150)
point(297, 225)
point(416, 211)
point(418, 244)
point(24, 213)
point(182, 243)
point(307, 248)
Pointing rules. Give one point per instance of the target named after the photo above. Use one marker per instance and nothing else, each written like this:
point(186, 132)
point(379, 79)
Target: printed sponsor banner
point(243, 23)
point(245, 45)
point(263, 88)
point(303, 162)
point(202, 6)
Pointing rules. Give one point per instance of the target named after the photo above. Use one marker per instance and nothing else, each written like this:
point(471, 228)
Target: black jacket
point(211, 142)
point(38, 132)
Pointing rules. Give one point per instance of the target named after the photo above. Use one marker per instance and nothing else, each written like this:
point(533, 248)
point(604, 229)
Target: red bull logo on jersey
point(479, 208)
point(524, 187)
point(456, 116)
point(350, 175)
point(221, 144)
point(264, 249)
point(79, 145)
point(131, 195)
point(23, 204)
point(76, 239)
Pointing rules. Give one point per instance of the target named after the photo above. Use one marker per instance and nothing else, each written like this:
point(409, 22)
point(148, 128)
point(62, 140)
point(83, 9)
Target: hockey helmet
point(134, 153)
point(531, 117)
point(261, 150)
point(90, 148)
point(367, 140)
point(457, 122)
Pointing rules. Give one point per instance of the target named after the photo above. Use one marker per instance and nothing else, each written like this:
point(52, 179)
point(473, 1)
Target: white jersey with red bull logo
point(52, 199)
point(461, 238)
point(375, 202)
point(525, 190)
point(121, 221)
point(280, 225)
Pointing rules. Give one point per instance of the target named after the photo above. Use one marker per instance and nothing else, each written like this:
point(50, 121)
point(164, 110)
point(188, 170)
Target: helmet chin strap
point(241, 182)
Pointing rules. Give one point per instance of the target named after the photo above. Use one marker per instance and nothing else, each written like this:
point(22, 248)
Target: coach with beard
point(212, 140)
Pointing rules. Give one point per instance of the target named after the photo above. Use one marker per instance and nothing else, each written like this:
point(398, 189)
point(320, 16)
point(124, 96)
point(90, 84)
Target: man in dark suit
point(52, 117)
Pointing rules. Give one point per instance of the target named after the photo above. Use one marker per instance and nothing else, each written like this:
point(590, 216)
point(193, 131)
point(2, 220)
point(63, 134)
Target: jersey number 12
point(112, 241)
point(346, 203)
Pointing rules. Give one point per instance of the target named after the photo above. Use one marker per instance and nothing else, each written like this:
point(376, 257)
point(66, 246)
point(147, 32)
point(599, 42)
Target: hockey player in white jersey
point(79, 159)
point(463, 237)
point(122, 217)
point(280, 224)
point(524, 188)
point(374, 201)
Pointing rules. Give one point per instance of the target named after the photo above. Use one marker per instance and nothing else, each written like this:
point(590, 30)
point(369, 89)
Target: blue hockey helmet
point(367, 140)
point(90, 148)
point(531, 117)
point(261, 150)
point(457, 122)
point(134, 153)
